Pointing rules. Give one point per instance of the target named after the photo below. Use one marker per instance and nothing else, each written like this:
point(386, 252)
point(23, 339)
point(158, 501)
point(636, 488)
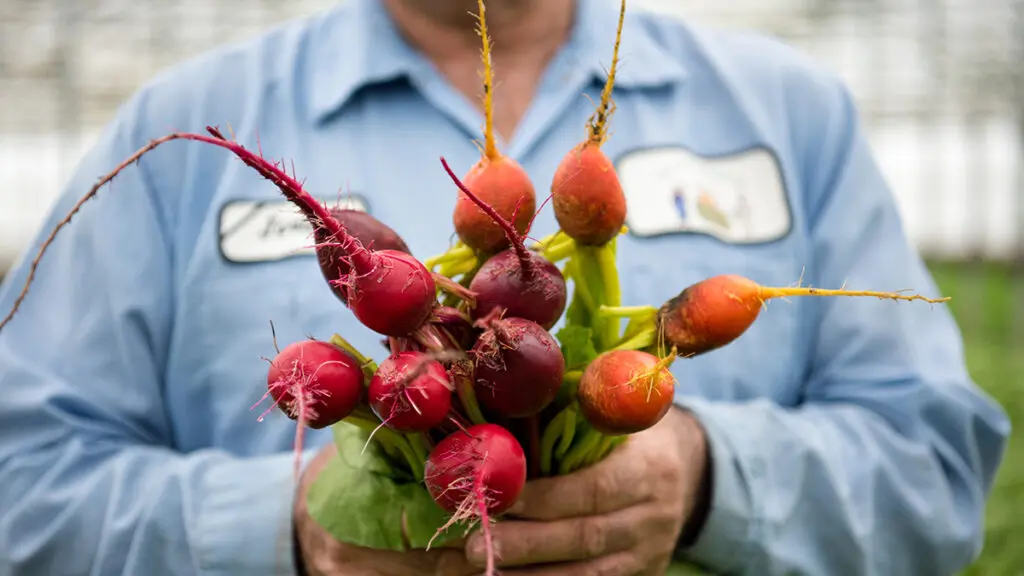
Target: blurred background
point(940, 84)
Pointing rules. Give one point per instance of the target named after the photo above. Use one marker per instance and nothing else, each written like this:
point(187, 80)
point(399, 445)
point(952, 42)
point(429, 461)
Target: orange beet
point(625, 391)
point(587, 197)
point(714, 312)
point(496, 179)
point(504, 185)
point(586, 194)
point(709, 314)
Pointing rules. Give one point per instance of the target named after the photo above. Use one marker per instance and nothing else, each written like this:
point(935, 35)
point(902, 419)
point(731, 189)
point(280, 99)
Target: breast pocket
point(770, 357)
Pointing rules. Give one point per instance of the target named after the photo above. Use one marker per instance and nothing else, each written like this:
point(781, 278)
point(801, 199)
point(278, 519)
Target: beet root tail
point(317, 214)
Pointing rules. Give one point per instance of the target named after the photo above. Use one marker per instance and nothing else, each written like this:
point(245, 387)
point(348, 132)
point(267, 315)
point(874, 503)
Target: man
point(838, 436)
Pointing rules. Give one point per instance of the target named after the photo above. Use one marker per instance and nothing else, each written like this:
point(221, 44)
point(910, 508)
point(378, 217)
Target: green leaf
point(360, 501)
point(577, 345)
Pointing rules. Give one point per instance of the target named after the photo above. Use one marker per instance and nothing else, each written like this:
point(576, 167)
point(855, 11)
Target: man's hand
point(322, 555)
point(620, 517)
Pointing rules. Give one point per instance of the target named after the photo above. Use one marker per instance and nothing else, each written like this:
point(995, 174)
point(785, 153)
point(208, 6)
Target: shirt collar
point(357, 45)
point(354, 45)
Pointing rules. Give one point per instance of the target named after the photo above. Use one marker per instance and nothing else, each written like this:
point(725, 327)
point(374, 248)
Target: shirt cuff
point(245, 523)
point(727, 540)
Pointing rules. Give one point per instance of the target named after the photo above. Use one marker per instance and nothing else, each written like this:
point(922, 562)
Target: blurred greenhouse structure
point(940, 84)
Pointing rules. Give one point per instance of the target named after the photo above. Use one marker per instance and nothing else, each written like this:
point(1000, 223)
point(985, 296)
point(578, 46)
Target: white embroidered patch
point(255, 231)
point(739, 199)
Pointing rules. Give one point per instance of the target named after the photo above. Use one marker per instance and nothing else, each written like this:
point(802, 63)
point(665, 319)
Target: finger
point(619, 564)
point(458, 543)
point(612, 484)
point(441, 563)
point(519, 543)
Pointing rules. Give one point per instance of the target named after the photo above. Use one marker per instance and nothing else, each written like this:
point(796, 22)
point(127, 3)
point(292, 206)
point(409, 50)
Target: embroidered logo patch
point(740, 198)
point(255, 231)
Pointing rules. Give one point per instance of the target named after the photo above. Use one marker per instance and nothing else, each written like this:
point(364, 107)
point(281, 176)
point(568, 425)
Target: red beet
point(315, 382)
point(390, 292)
point(476, 474)
point(410, 392)
point(396, 296)
point(501, 285)
point(458, 324)
point(371, 233)
point(519, 367)
point(484, 463)
point(516, 282)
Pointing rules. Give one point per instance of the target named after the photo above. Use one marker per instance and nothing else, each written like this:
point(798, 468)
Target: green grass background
point(988, 303)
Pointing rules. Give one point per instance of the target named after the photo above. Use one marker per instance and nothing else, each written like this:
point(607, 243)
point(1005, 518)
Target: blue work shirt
point(846, 435)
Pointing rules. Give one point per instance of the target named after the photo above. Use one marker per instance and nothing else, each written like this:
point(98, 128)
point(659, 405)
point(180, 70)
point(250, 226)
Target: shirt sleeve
point(885, 466)
point(92, 482)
